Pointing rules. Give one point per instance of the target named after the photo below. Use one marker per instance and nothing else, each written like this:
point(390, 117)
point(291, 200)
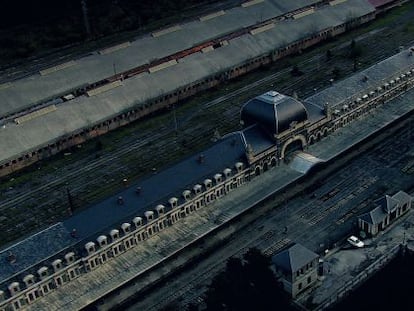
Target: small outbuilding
point(386, 211)
point(296, 267)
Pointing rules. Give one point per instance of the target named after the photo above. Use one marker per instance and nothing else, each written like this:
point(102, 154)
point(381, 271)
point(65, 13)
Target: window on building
point(404, 207)
point(309, 279)
point(299, 286)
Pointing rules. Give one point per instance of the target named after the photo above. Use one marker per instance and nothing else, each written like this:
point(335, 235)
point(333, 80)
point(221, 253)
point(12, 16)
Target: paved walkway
point(345, 266)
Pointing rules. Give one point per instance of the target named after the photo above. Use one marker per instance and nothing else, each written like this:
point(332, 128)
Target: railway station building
point(275, 126)
point(387, 210)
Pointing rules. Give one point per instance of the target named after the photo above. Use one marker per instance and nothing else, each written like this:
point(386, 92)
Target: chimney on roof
point(201, 158)
point(11, 258)
point(120, 200)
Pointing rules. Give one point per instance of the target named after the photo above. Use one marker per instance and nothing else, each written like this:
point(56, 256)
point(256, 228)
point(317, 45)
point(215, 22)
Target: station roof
point(33, 250)
point(375, 216)
point(159, 187)
point(108, 214)
point(361, 83)
point(257, 140)
point(388, 203)
point(380, 3)
point(294, 258)
point(273, 111)
point(85, 111)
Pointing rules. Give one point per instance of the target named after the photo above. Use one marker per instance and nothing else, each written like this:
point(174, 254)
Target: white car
point(354, 241)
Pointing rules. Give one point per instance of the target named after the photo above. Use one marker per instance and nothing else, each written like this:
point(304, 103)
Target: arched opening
point(311, 140)
point(318, 136)
point(273, 162)
point(294, 144)
point(325, 132)
point(257, 171)
point(265, 167)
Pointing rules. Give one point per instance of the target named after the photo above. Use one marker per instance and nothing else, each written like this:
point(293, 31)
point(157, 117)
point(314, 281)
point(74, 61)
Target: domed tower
point(274, 112)
point(282, 117)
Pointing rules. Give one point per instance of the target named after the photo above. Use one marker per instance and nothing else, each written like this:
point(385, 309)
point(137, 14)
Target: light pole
point(285, 230)
point(85, 18)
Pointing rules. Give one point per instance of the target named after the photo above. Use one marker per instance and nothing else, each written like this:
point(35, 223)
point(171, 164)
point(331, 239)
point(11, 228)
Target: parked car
point(354, 241)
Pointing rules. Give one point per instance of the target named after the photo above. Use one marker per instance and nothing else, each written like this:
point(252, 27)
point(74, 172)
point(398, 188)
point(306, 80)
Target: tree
point(171, 307)
point(268, 290)
point(336, 72)
point(355, 50)
point(192, 307)
point(296, 72)
point(247, 284)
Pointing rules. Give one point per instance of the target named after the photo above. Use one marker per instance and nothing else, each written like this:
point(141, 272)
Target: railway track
point(128, 157)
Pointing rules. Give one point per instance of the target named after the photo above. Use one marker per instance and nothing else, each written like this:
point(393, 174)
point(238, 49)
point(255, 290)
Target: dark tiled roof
point(402, 197)
point(107, 214)
point(364, 81)
point(388, 204)
point(294, 258)
point(159, 187)
point(257, 139)
point(376, 216)
point(274, 112)
point(34, 249)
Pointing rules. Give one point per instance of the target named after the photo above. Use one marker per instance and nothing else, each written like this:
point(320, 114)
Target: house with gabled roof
point(387, 210)
point(296, 267)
